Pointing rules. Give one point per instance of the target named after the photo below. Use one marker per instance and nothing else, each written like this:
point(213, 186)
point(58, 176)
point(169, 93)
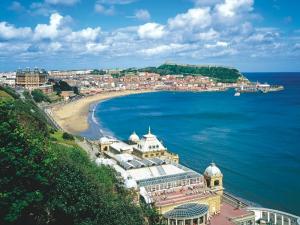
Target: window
point(187, 222)
point(195, 221)
point(216, 183)
point(172, 222)
point(249, 222)
point(201, 220)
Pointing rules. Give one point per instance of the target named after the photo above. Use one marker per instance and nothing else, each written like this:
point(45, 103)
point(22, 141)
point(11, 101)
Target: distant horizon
point(249, 35)
point(122, 68)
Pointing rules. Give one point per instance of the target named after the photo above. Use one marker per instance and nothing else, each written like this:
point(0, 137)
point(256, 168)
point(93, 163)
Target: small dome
point(187, 211)
point(212, 170)
point(130, 183)
point(104, 140)
point(134, 138)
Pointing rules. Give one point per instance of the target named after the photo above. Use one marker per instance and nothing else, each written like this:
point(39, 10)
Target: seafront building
point(33, 79)
point(181, 195)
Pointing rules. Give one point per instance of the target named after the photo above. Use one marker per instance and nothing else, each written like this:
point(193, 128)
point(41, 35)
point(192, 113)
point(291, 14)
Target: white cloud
point(163, 49)
point(62, 2)
point(231, 8)
point(87, 34)
point(8, 31)
point(50, 31)
point(106, 10)
point(219, 44)
point(142, 14)
point(151, 31)
point(201, 33)
point(95, 47)
point(197, 18)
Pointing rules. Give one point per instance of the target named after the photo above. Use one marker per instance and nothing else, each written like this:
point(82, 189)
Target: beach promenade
point(73, 116)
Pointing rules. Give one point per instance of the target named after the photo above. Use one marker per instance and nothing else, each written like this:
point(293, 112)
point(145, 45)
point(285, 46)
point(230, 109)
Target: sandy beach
point(73, 116)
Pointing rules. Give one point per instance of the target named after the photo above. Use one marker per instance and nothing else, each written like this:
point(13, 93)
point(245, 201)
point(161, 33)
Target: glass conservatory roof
point(187, 211)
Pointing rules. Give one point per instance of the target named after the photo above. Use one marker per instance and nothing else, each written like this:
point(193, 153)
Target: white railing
point(275, 216)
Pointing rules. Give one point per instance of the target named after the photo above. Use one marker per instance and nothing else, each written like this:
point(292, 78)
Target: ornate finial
point(149, 131)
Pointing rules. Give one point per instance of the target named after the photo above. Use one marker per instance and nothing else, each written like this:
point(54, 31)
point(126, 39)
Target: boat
point(237, 94)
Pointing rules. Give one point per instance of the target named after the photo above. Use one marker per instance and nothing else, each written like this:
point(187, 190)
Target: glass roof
point(168, 178)
point(187, 211)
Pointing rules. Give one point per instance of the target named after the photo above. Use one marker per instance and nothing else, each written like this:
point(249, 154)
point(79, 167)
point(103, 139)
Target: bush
point(67, 136)
point(10, 91)
point(46, 183)
point(39, 96)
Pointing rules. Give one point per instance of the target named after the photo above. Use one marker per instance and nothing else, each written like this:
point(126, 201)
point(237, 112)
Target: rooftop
point(186, 211)
point(149, 142)
point(121, 146)
point(228, 212)
point(176, 196)
point(148, 175)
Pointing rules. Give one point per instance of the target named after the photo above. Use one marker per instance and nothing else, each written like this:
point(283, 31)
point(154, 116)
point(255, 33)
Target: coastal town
point(144, 165)
point(90, 82)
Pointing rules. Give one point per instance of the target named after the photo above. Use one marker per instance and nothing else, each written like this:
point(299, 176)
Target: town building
point(31, 79)
point(181, 195)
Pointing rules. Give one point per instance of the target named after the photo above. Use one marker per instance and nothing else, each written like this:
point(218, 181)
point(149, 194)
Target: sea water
point(253, 138)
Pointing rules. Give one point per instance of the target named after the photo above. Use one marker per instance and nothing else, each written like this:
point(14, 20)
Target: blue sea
point(253, 138)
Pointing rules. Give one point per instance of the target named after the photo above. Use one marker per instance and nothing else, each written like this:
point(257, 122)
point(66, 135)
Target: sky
point(251, 35)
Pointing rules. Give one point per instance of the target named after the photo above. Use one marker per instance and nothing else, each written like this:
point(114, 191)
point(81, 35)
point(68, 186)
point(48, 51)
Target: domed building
point(150, 147)
point(214, 178)
point(134, 138)
point(104, 143)
point(130, 183)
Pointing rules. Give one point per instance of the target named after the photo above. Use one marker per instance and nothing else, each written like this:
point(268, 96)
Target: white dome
point(134, 137)
point(104, 140)
point(130, 183)
point(212, 170)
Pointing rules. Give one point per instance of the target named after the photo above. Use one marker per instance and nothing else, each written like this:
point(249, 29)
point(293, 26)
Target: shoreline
point(73, 116)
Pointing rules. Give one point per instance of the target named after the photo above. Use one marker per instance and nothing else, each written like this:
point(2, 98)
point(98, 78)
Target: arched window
point(216, 183)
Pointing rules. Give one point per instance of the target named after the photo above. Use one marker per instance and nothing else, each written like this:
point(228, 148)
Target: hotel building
point(33, 79)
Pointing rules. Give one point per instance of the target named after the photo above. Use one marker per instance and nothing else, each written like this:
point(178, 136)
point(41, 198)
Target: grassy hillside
point(47, 180)
point(219, 73)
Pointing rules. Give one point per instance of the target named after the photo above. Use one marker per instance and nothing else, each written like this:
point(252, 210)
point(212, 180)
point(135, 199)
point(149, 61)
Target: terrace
point(228, 214)
point(179, 195)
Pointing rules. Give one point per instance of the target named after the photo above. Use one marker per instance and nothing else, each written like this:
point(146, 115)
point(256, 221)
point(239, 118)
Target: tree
point(46, 183)
point(25, 169)
point(39, 96)
point(67, 136)
point(219, 73)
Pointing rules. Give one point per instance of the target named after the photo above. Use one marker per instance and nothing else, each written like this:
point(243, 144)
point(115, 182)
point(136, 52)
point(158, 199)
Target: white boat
point(237, 94)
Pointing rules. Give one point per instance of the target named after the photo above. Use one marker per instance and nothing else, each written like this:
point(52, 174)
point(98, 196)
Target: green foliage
point(27, 95)
point(151, 213)
point(61, 85)
point(98, 72)
point(39, 96)
point(51, 183)
point(5, 96)
point(221, 74)
point(9, 91)
point(87, 193)
point(25, 168)
point(67, 136)
point(116, 75)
